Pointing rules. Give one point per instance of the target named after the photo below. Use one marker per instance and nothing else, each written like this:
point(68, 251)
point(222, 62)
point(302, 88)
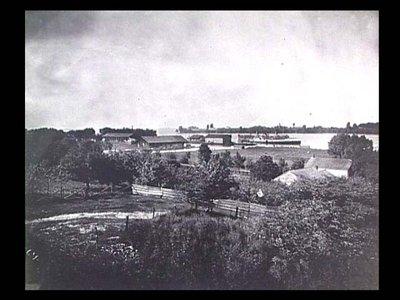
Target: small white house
point(336, 166)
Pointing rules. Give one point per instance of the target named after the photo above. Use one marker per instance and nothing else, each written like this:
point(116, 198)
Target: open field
point(289, 154)
point(111, 203)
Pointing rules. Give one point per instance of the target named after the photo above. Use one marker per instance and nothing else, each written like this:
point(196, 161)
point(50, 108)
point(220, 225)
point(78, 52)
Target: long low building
point(219, 139)
point(162, 142)
point(114, 137)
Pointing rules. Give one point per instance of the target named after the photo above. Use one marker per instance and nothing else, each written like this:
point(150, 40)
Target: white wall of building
point(338, 173)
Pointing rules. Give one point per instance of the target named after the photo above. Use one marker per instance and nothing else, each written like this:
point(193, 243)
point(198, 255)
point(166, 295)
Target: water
point(313, 140)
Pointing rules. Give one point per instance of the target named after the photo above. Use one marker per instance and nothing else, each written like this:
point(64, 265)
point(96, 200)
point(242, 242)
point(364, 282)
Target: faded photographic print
point(202, 150)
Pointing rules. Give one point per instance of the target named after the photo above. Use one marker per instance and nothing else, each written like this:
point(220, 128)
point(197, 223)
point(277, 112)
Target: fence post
point(195, 205)
point(127, 223)
point(237, 212)
point(97, 235)
point(154, 211)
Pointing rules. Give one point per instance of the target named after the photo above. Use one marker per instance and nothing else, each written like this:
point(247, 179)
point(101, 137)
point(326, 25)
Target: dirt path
point(99, 215)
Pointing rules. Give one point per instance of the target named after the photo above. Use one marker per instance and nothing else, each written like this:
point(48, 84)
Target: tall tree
point(108, 169)
point(204, 153)
point(38, 142)
point(227, 158)
point(238, 160)
point(79, 162)
point(283, 165)
point(209, 181)
point(338, 144)
point(264, 169)
point(360, 150)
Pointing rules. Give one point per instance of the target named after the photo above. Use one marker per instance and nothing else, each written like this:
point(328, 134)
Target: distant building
point(219, 139)
point(196, 138)
point(162, 142)
point(293, 176)
point(114, 137)
point(336, 166)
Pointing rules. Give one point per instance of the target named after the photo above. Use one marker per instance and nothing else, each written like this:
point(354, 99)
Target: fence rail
point(241, 209)
point(231, 207)
point(155, 191)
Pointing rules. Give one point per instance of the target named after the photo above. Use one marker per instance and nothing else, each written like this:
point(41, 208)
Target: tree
point(365, 161)
point(238, 160)
point(283, 165)
point(356, 146)
point(204, 153)
point(185, 159)
point(264, 169)
point(79, 162)
point(171, 156)
point(38, 142)
point(108, 169)
point(346, 146)
point(219, 181)
point(348, 127)
point(298, 164)
point(366, 165)
point(58, 149)
point(227, 158)
point(209, 181)
point(87, 133)
point(132, 163)
point(338, 144)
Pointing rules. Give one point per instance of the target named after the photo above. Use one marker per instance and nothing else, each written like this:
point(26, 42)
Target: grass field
point(79, 222)
point(112, 203)
point(289, 154)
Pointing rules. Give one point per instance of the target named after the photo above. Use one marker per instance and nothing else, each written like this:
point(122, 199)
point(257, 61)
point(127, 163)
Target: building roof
point(329, 163)
point(117, 134)
point(303, 174)
point(164, 139)
point(196, 136)
point(213, 135)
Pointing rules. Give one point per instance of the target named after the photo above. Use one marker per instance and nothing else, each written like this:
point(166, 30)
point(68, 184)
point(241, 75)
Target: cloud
point(165, 69)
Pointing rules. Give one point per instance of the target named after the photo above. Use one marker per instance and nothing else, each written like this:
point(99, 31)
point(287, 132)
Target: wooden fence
point(156, 191)
point(238, 209)
point(241, 209)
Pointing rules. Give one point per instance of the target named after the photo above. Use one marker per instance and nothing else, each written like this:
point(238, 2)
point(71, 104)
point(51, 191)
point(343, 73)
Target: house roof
point(164, 139)
point(196, 136)
point(218, 135)
point(328, 163)
point(303, 174)
point(117, 134)
point(311, 174)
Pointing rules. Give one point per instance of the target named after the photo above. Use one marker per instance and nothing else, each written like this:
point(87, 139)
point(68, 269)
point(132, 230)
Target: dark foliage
point(324, 237)
point(363, 128)
point(204, 153)
point(138, 132)
point(265, 169)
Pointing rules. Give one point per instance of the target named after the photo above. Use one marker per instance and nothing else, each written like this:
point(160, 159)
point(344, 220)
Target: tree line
point(59, 156)
point(362, 128)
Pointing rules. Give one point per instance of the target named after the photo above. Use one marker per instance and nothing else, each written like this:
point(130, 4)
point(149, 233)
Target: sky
point(164, 69)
